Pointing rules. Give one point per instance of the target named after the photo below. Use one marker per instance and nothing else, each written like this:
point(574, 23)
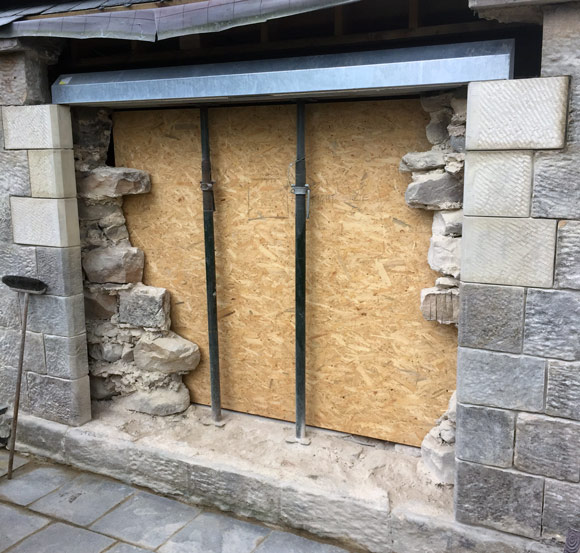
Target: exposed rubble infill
point(132, 351)
point(5, 422)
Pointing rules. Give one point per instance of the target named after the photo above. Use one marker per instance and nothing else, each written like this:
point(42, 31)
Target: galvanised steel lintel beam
point(374, 73)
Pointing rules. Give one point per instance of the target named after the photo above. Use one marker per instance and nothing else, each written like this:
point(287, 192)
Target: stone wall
point(132, 352)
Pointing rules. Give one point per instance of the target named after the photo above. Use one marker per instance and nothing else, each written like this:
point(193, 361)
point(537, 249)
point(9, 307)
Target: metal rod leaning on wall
point(210, 279)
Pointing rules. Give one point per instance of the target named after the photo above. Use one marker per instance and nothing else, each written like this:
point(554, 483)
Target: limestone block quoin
point(568, 255)
point(519, 252)
point(563, 393)
point(60, 269)
point(52, 173)
point(517, 114)
point(66, 357)
point(57, 315)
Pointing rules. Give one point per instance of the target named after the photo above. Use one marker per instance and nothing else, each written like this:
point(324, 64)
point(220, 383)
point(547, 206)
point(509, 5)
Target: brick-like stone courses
point(518, 413)
point(39, 237)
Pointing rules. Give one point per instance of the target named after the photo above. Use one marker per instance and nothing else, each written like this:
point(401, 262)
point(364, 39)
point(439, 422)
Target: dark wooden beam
point(413, 14)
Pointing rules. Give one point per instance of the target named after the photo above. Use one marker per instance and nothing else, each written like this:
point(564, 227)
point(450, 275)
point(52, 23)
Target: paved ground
point(52, 509)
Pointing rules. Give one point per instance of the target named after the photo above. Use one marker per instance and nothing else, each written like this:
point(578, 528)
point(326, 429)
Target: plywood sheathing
point(375, 367)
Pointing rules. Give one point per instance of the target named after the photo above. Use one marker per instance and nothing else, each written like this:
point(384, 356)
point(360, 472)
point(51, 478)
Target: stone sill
point(362, 493)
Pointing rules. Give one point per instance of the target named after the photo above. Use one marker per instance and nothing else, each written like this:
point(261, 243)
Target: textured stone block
point(24, 80)
point(499, 499)
point(119, 264)
point(517, 114)
point(552, 327)
point(568, 255)
point(485, 435)
point(9, 308)
point(5, 220)
point(519, 252)
point(52, 173)
point(498, 184)
point(37, 127)
point(8, 378)
point(33, 350)
point(17, 260)
point(557, 184)
point(561, 509)
point(62, 316)
point(563, 394)
point(145, 306)
point(61, 269)
point(447, 223)
point(548, 446)
point(491, 317)
point(45, 222)
point(64, 401)
point(440, 305)
point(500, 380)
point(66, 357)
point(14, 177)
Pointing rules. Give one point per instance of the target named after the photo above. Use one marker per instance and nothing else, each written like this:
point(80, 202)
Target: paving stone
point(517, 114)
point(16, 524)
point(60, 269)
point(498, 184)
point(26, 487)
point(18, 462)
point(491, 317)
point(213, 533)
point(84, 500)
point(52, 173)
point(57, 315)
point(63, 538)
point(548, 447)
point(126, 548)
point(485, 435)
point(277, 542)
point(444, 255)
point(146, 519)
point(568, 255)
point(563, 394)
point(561, 509)
point(486, 496)
point(66, 357)
point(512, 251)
point(552, 327)
point(496, 380)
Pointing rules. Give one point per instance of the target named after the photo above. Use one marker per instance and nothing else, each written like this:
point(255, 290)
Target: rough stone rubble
point(132, 351)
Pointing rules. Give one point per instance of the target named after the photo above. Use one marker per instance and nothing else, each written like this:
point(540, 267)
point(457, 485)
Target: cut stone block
point(561, 509)
point(448, 223)
point(119, 264)
point(45, 222)
point(33, 350)
point(563, 395)
point(491, 317)
point(440, 305)
point(517, 114)
point(557, 184)
point(434, 190)
point(17, 260)
point(489, 496)
point(61, 269)
point(519, 252)
point(16, 525)
point(444, 255)
point(24, 80)
point(64, 401)
point(29, 486)
point(568, 255)
point(9, 308)
point(498, 184)
point(37, 127)
point(167, 354)
point(52, 173)
point(552, 326)
point(62, 316)
point(66, 357)
point(145, 306)
point(496, 380)
point(485, 436)
point(548, 447)
point(14, 177)
point(113, 182)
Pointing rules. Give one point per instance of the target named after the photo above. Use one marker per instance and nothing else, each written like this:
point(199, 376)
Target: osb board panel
point(375, 366)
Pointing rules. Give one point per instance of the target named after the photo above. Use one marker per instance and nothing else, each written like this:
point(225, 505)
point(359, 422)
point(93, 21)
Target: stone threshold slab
point(362, 493)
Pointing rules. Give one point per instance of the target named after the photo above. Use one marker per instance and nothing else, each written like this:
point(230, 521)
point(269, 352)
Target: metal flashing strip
point(377, 73)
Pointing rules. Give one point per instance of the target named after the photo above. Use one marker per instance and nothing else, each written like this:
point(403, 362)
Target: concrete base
point(365, 494)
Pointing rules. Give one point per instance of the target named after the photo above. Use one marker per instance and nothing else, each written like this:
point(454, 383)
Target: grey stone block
point(214, 533)
point(118, 264)
point(491, 317)
point(24, 80)
point(434, 190)
point(500, 380)
point(8, 377)
point(41, 437)
point(568, 255)
point(145, 519)
point(485, 435)
point(519, 252)
point(126, 548)
point(448, 223)
point(291, 543)
point(64, 401)
point(16, 524)
point(66, 357)
point(145, 306)
point(83, 500)
point(548, 447)
point(422, 161)
point(552, 327)
point(61, 269)
point(14, 177)
point(57, 315)
point(27, 487)
point(557, 184)
point(561, 509)
point(64, 539)
point(9, 308)
point(5, 220)
point(17, 260)
point(563, 395)
point(500, 499)
point(52, 173)
point(33, 350)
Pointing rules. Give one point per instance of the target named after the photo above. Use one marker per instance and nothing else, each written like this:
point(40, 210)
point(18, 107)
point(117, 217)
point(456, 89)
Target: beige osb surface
point(375, 367)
